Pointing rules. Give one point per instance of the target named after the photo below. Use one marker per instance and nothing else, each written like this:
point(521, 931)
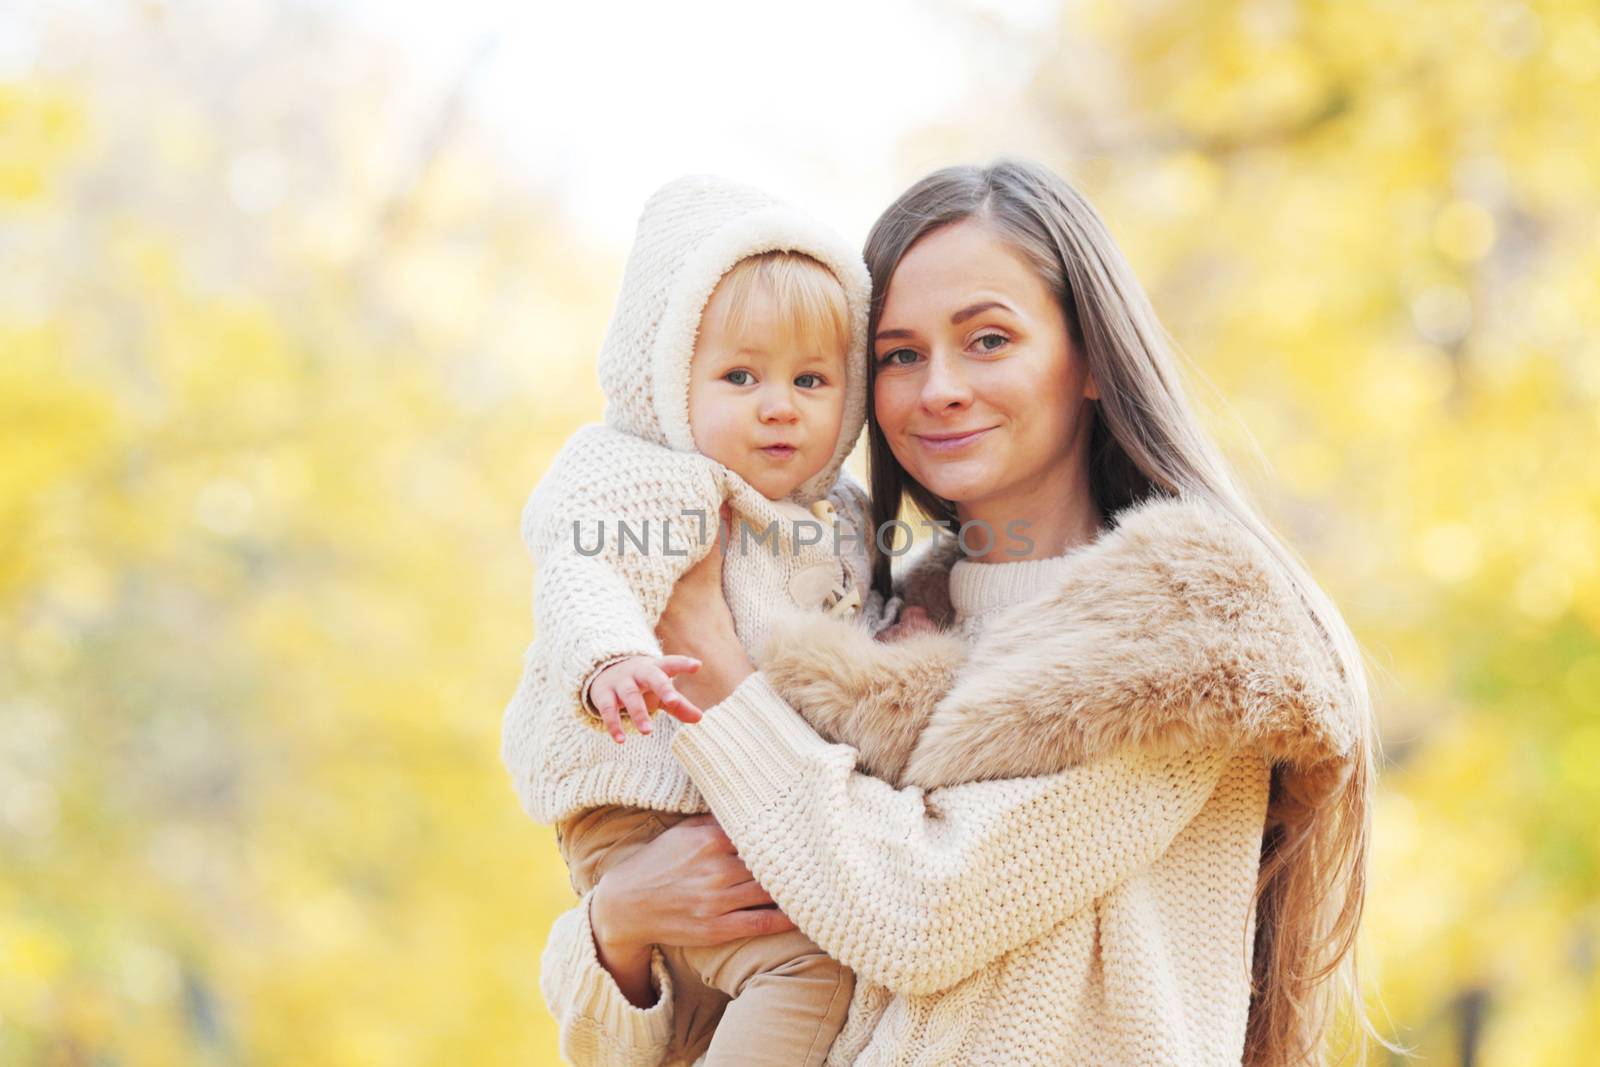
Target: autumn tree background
point(286, 337)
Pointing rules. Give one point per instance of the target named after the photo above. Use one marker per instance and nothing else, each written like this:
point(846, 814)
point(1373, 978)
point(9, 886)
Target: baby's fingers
point(676, 665)
point(633, 700)
point(681, 708)
point(672, 702)
point(606, 704)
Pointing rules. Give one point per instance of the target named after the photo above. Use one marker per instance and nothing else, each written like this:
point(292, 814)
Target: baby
point(734, 370)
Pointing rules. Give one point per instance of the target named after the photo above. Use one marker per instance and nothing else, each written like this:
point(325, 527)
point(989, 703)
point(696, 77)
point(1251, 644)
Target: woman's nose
point(944, 386)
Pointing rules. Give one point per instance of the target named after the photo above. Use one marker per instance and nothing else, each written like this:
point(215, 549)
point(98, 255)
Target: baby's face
point(761, 402)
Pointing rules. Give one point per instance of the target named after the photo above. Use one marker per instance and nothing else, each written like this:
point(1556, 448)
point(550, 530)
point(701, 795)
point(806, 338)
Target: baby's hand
point(913, 621)
point(641, 684)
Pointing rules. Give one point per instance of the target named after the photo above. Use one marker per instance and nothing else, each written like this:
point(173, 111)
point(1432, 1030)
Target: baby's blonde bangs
point(810, 301)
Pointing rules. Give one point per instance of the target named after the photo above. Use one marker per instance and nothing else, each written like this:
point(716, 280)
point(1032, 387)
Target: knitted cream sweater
point(628, 506)
point(1097, 915)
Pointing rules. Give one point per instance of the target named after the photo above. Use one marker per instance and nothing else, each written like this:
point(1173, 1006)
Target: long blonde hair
point(1146, 440)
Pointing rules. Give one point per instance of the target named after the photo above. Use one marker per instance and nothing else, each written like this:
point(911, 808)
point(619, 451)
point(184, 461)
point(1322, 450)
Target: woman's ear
point(1091, 389)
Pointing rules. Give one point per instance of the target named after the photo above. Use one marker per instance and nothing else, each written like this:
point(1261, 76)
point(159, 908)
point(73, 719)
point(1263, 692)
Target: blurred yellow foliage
point(281, 355)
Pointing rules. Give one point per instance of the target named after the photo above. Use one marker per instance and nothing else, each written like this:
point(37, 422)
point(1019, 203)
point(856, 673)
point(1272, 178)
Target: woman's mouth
point(949, 442)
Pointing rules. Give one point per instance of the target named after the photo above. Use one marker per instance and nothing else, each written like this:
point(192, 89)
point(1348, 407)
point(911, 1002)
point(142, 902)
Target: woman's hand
point(686, 887)
point(913, 620)
point(697, 623)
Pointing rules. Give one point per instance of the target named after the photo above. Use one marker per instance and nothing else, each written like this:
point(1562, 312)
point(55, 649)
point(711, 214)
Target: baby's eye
point(737, 377)
point(982, 341)
point(816, 379)
point(891, 359)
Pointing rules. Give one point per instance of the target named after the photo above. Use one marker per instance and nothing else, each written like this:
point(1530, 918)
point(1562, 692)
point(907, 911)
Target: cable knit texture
point(627, 506)
point(1096, 912)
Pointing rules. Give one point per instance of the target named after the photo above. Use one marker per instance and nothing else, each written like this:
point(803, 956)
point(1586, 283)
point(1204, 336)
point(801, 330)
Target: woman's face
point(980, 391)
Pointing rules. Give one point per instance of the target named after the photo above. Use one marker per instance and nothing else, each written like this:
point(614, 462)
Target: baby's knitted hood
point(691, 232)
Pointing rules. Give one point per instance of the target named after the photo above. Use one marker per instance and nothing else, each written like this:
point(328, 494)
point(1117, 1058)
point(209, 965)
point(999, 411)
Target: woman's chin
point(956, 481)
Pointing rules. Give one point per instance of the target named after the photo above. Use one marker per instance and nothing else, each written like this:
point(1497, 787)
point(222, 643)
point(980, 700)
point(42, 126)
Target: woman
point(1174, 874)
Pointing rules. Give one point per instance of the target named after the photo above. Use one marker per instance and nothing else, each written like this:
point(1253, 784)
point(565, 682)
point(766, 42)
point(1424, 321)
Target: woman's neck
point(1033, 523)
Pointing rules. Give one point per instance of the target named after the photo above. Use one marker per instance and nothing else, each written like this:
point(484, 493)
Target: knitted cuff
point(751, 751)
point(597, 1002)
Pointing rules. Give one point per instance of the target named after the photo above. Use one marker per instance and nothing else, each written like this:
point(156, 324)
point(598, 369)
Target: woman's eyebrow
point(956, 320)
point(972, 309)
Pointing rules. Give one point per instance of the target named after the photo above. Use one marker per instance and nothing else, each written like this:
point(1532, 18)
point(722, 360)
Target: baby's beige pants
point(776, 999)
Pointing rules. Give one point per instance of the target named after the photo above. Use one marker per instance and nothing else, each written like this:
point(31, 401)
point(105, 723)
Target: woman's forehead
point(959, 266)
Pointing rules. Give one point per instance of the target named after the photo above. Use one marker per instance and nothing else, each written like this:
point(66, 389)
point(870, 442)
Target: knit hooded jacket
point(628, 505)
point(1065, 873)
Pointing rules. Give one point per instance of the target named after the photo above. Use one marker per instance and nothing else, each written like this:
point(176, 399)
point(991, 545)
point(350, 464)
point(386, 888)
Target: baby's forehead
point(780, 346)
point(774, 333)
point(779, 308)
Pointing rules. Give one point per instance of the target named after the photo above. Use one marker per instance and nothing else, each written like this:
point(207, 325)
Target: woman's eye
point(737, 377)
point(816, 379)
point(899, 357)
point(984, 339)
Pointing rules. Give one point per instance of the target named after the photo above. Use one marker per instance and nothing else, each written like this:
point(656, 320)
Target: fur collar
point(1175, 626)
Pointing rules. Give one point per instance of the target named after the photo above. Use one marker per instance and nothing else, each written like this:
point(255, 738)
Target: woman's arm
point(915, 891)
point(873, 694)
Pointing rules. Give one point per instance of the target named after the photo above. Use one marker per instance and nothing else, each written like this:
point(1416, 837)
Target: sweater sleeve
point(599, 1027)
point(611, 527)
point(917, 890)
